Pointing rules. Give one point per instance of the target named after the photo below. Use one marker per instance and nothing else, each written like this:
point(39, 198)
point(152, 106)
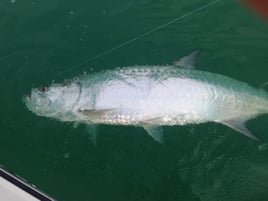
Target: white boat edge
point(13, 188)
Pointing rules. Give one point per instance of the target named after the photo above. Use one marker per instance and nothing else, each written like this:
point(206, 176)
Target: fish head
point(56, 101)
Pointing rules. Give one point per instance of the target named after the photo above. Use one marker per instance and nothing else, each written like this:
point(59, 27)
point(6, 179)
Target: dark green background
point(39, 39)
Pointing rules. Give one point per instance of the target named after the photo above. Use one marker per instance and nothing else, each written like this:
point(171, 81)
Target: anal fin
point(239, 126)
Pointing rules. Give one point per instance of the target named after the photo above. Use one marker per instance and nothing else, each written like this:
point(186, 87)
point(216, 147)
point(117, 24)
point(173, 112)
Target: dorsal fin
point(188, 60)
point(264, 86)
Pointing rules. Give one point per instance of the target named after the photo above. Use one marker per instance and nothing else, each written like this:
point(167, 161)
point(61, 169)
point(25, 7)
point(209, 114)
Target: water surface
point(207, 162)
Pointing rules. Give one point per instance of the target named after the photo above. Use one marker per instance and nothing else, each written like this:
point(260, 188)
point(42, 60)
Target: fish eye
point(43, 88)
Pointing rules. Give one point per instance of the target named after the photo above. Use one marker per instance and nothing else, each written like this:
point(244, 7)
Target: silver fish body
point(151, 96)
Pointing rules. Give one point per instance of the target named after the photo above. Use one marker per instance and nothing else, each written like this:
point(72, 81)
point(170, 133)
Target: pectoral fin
point(154, 121)
point(188, 60)
point(155, 132)
point(239, 125)
point(93, 115)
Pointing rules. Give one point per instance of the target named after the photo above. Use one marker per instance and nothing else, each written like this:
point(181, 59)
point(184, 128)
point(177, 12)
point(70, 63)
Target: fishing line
point(5, 57)
point(137, 38)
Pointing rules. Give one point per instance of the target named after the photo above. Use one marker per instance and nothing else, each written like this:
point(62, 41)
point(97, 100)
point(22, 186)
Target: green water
point(207, 162)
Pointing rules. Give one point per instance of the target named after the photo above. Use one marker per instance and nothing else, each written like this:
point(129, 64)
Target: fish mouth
point(31, 105)
point(26, 99)
point(30, 101)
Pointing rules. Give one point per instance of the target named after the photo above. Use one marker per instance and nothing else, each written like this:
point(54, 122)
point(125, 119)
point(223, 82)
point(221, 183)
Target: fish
point(151, 97)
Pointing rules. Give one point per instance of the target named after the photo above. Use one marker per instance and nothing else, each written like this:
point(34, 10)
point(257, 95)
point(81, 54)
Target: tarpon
point(151, 97)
